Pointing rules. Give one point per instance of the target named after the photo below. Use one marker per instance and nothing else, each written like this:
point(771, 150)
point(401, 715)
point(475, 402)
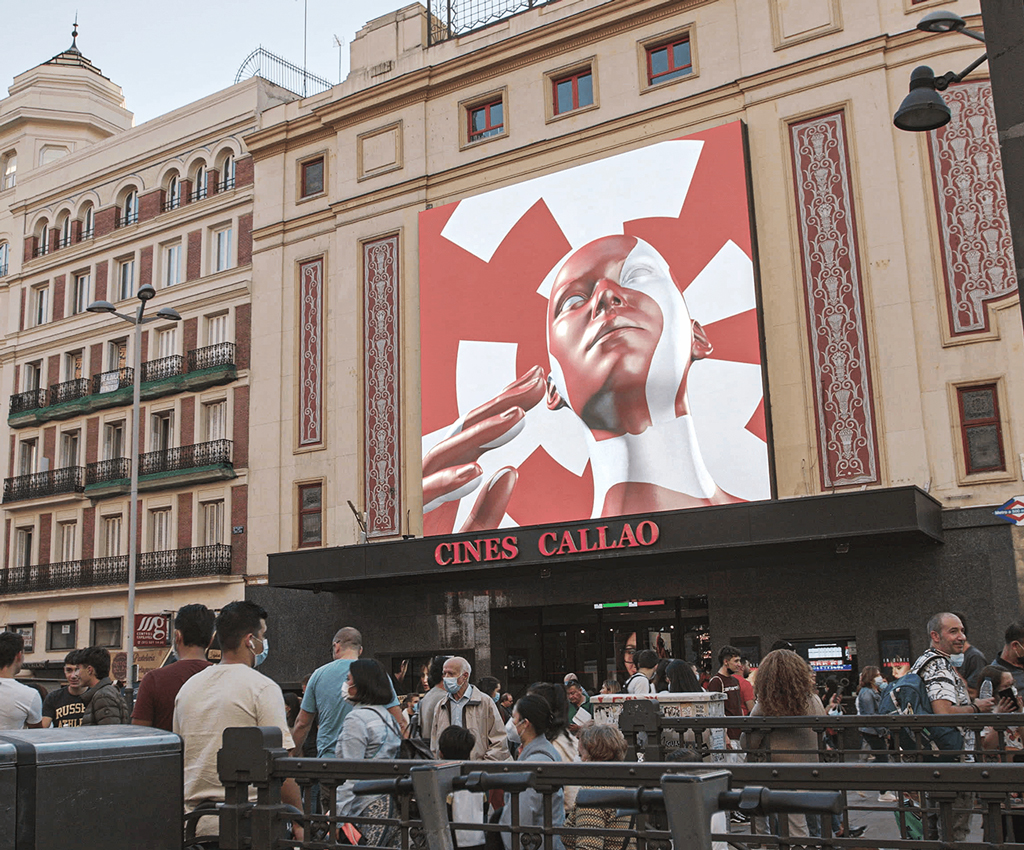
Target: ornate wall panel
point(840, 369)
point(974, 226)
point(381, 362)
point(311, 327)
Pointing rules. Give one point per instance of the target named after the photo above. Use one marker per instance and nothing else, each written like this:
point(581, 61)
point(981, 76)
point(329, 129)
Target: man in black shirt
point(1011, 658)
point(64, 707)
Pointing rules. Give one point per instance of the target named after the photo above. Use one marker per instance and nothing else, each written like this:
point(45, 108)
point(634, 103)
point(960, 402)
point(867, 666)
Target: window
point(70, 442)
point(172, 264)
point(64, 228)
point(199, 183)
point(173, 193)
point(51, 153)
point(227, 173)
point(87, 222)
point(111, 536)
point(222, 239)
point(162, 429)
point(60, 636)
point(67, 535)
point(574, 91)
point(980, 428)
point(42, 239)
point(125, 278)
point(669, 60)
point(160, 529)
point(167, 342)
point(73, 366)
point(310, 515)
point(217, 329)
point(106, 632)
point(486, 120)
point(213, 523)
point(117, 355)
point(9, 168)
point(312, 177)
point(23, 547)
point(215, 421)
point(28, 634)
point(33, 375)
point(27, 457)
point(81, 287)
point(113, 440)
point(40, 305)
point(5, 256)
point(129, 208)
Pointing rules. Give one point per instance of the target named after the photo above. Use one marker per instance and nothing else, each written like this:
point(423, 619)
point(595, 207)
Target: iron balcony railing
point(3, 270)
point(86, 234)
point(104, 471)
point(225, 184)
point(69, 390)
point(172, 203)
point(53, 482)
point(40, 250)
point(220, 354)
point(185, 457)
point(128, 218)
point(451, 18)
point(165, 367)
point(198, 193)
point(65, 242)
point(116, 379)
point(172, 565)
point(30, 400)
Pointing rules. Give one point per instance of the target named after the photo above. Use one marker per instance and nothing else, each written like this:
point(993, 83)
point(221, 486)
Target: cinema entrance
point(595, 640)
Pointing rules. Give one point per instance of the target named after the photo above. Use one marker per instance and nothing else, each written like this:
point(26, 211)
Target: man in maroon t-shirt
point(193, 631)
point(725, 682)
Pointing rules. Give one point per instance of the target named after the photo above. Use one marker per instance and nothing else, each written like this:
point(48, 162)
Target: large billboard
point(590, 342)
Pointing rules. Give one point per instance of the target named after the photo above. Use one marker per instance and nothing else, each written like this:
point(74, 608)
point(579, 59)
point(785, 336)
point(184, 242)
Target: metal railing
point(281, 72)
point(253, 757)
point(3, 270)
point(220, 354)
point(29, 400)
point(225, 184)
point(451, 18)
point(172, 203)
point(165, 367)
point(68, 391)
point(65, 242)
point(198, 193)
point(53, 482)
point(185, 457)
point(171, 565)
point(128, 218)
point(40, 250)
point(116, 379)
point(86, 234)
point(104, 471)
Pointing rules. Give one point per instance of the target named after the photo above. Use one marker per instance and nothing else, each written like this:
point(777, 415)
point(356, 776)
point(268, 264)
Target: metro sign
point(1012, 511)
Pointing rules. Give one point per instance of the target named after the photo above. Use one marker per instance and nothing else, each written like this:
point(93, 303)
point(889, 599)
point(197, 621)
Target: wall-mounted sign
point(152, 630)
point(1012, 511)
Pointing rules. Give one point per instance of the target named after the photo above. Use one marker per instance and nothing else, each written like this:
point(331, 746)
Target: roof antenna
point(74, 36)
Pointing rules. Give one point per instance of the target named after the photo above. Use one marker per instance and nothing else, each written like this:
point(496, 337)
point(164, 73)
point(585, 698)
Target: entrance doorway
point(596, 641)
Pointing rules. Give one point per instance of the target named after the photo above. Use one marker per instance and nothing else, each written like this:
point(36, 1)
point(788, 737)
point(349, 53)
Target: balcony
point(225, 184)
point(41, 485)
point(172, 565)
point(128, 218)
point(68, 391)
point(207, 367)
point(195, 464)
point(172, 203)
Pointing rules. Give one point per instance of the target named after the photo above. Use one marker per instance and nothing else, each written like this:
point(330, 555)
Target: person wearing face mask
point(876, 737)
point(466, 706)
point(947, 690)
point(193, 631)
point(1011, 658)
point(229, 694)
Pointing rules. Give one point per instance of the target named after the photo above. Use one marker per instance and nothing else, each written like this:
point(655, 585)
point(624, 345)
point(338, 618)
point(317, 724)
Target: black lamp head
point(145, 292)
point(923, 109)
point(941, 21)
point(100, 307)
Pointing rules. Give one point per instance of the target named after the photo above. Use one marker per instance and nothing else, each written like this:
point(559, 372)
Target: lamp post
point(924, 109)
point(145, 293)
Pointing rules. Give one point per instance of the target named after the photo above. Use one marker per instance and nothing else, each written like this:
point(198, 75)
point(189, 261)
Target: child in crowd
point(456, 744)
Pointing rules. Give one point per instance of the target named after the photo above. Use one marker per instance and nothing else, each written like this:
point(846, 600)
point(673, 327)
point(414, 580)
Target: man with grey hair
point(326, 696)
point(947, 690)
point(463, 705)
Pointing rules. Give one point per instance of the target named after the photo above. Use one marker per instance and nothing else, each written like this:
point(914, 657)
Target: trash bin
point(102, 787)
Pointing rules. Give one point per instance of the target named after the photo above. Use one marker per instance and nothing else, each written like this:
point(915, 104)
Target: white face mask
point(957, 660)
point(879, 681)
point(451, 684)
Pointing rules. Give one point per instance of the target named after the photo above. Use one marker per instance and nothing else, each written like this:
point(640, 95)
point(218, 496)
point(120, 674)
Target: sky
point(167, 55)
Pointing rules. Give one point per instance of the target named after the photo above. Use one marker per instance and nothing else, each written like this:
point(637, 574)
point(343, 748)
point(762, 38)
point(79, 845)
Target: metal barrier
point(253, 759)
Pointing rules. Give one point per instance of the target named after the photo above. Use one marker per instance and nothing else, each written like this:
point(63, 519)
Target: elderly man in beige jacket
point(466, 706)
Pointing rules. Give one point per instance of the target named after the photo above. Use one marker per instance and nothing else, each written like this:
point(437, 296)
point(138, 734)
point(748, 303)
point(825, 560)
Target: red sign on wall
point(152, 630)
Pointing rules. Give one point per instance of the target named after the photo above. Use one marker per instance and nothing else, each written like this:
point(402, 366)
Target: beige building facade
point(888, 311)
point(93, 209)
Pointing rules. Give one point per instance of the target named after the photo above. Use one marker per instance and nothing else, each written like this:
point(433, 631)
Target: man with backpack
point(947, 691)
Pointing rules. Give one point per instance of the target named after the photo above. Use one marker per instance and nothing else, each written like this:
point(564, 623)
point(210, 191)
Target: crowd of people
point(349, 709)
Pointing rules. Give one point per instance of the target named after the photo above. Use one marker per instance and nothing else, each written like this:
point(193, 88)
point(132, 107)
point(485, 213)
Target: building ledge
point(163, 480)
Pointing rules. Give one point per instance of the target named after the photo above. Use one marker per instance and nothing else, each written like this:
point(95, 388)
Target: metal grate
point(31, 400)
point(452, 18)
point(118, 379)
point(102, 471)
point(281, 72)
point(70, 479)
point(69, 390)
point(185, 457)
point(221, 354)
point(165, 367)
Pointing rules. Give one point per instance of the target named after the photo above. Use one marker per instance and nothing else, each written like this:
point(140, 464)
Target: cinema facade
point(633, 324)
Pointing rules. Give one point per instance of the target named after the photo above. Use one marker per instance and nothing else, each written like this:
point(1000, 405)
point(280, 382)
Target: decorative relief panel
point(974, 226)
point(840, 368)
point(311, 326)
point(381, 361)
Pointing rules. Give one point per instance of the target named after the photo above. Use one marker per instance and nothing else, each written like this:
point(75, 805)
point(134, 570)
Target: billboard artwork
point(590, 343)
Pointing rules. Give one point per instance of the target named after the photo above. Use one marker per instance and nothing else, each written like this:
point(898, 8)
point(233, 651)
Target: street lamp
point(144, 295)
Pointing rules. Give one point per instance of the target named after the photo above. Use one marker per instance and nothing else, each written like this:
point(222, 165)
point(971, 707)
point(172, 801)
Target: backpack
point(909, 695)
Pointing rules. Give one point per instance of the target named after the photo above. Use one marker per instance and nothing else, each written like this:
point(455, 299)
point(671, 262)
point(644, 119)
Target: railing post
point(641, 716)
point(432, 784)
point(247, 758)
point(689, 803)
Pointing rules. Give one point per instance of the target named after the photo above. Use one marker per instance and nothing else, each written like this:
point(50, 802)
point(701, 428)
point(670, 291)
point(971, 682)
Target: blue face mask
point(262, 655)
point(494, 697)
point(957, 660)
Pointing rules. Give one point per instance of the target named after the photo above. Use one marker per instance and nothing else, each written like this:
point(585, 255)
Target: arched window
point(87, 222)
point(42, 238)
point(227, 172)
point(173, 194)
point(199, 183)
point(8, 170)
point(64, 228)
point(130, 207)
point(5, 253)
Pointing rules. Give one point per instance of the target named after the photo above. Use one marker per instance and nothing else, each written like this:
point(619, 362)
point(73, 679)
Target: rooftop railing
point(451, 18)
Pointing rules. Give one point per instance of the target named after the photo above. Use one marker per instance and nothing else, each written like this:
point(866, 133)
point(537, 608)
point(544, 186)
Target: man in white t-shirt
point(20, 705)
point(226, 695)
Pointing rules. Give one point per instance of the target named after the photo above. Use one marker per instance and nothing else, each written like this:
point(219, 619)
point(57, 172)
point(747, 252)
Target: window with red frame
point(312, 177)
point(310, 515)
point(669, 61)
point(980, 429)
point(486, 120)
point(573, 92)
